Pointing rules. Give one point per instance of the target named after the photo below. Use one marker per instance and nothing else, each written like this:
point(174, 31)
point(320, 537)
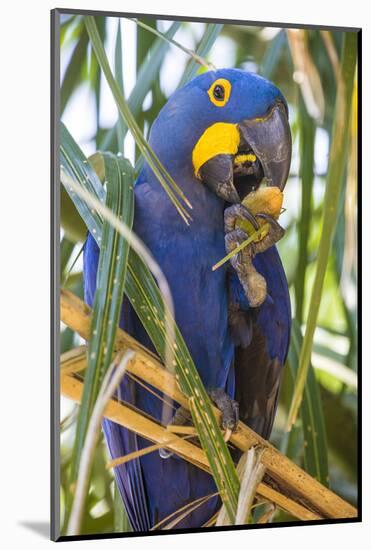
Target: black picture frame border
point(55, 277)
point(55, 273)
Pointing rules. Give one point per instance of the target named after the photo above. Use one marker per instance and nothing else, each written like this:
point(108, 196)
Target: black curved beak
point(269, 139)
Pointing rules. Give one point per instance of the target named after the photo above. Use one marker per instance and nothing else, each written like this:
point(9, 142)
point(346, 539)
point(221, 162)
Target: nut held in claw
point(265, 200)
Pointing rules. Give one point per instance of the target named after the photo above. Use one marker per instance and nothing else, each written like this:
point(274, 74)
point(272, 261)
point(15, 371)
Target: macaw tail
point(128, 476)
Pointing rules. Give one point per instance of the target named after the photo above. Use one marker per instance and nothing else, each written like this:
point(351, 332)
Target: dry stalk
point(299, 494)
point(250, 471)
point(120, 413)
point(252, 475)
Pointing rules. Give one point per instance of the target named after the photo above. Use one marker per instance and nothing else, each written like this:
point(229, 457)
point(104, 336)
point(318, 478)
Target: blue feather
point(153, 487)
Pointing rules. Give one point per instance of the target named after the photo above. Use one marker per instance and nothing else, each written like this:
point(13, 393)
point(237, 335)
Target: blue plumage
point(151, 487)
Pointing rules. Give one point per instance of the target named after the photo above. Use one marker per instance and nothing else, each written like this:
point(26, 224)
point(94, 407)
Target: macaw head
point(229, 129)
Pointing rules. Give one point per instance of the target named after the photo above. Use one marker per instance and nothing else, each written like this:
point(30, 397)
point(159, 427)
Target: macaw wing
point(262, 339)
point(258, 380)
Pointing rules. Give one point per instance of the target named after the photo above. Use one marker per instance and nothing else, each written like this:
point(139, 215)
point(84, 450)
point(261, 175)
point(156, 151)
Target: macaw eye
point(219, 92)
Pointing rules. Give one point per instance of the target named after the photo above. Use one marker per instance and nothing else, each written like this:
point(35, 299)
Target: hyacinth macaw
point(218, 136)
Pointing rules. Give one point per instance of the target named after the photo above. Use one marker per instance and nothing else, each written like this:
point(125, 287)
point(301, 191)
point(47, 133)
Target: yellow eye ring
point(219, 92)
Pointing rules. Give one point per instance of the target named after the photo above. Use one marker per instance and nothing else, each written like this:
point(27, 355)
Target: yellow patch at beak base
point(222, 138)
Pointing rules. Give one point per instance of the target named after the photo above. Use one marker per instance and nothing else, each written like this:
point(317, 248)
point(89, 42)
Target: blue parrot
point(220, 137)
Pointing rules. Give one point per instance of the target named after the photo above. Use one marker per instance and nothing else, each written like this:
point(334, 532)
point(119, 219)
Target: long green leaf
point(84, 174)
point(172, 189)
point(203, 48)
point(95, 74)
point(147, 74)
point(147, 302)
point(66, 249)
point(350, 179)
point(314, 432)
point(205, 434)
point(150, 69)
point(271, 58)
point(74, 73)
point(145, 297)
point(108, 298)
point(349, 313)
point(197, 58)
point(120, 81)
point(144, 42)
point(333, 188)
point(307, 131)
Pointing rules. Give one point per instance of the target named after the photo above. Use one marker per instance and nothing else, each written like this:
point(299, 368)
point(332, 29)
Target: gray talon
point(276, 232)
point(232, 213)
point(227, 406)
point(182, 417)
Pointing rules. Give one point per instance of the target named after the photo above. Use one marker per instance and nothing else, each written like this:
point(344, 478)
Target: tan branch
point(129, 418)
point(310, 498)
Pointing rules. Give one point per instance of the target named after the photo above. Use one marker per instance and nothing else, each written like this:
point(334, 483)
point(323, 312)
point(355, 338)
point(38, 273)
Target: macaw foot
point(227, 406)
point(275, 233)
point(253, 283)
point(237, 212)
point(182, 417)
